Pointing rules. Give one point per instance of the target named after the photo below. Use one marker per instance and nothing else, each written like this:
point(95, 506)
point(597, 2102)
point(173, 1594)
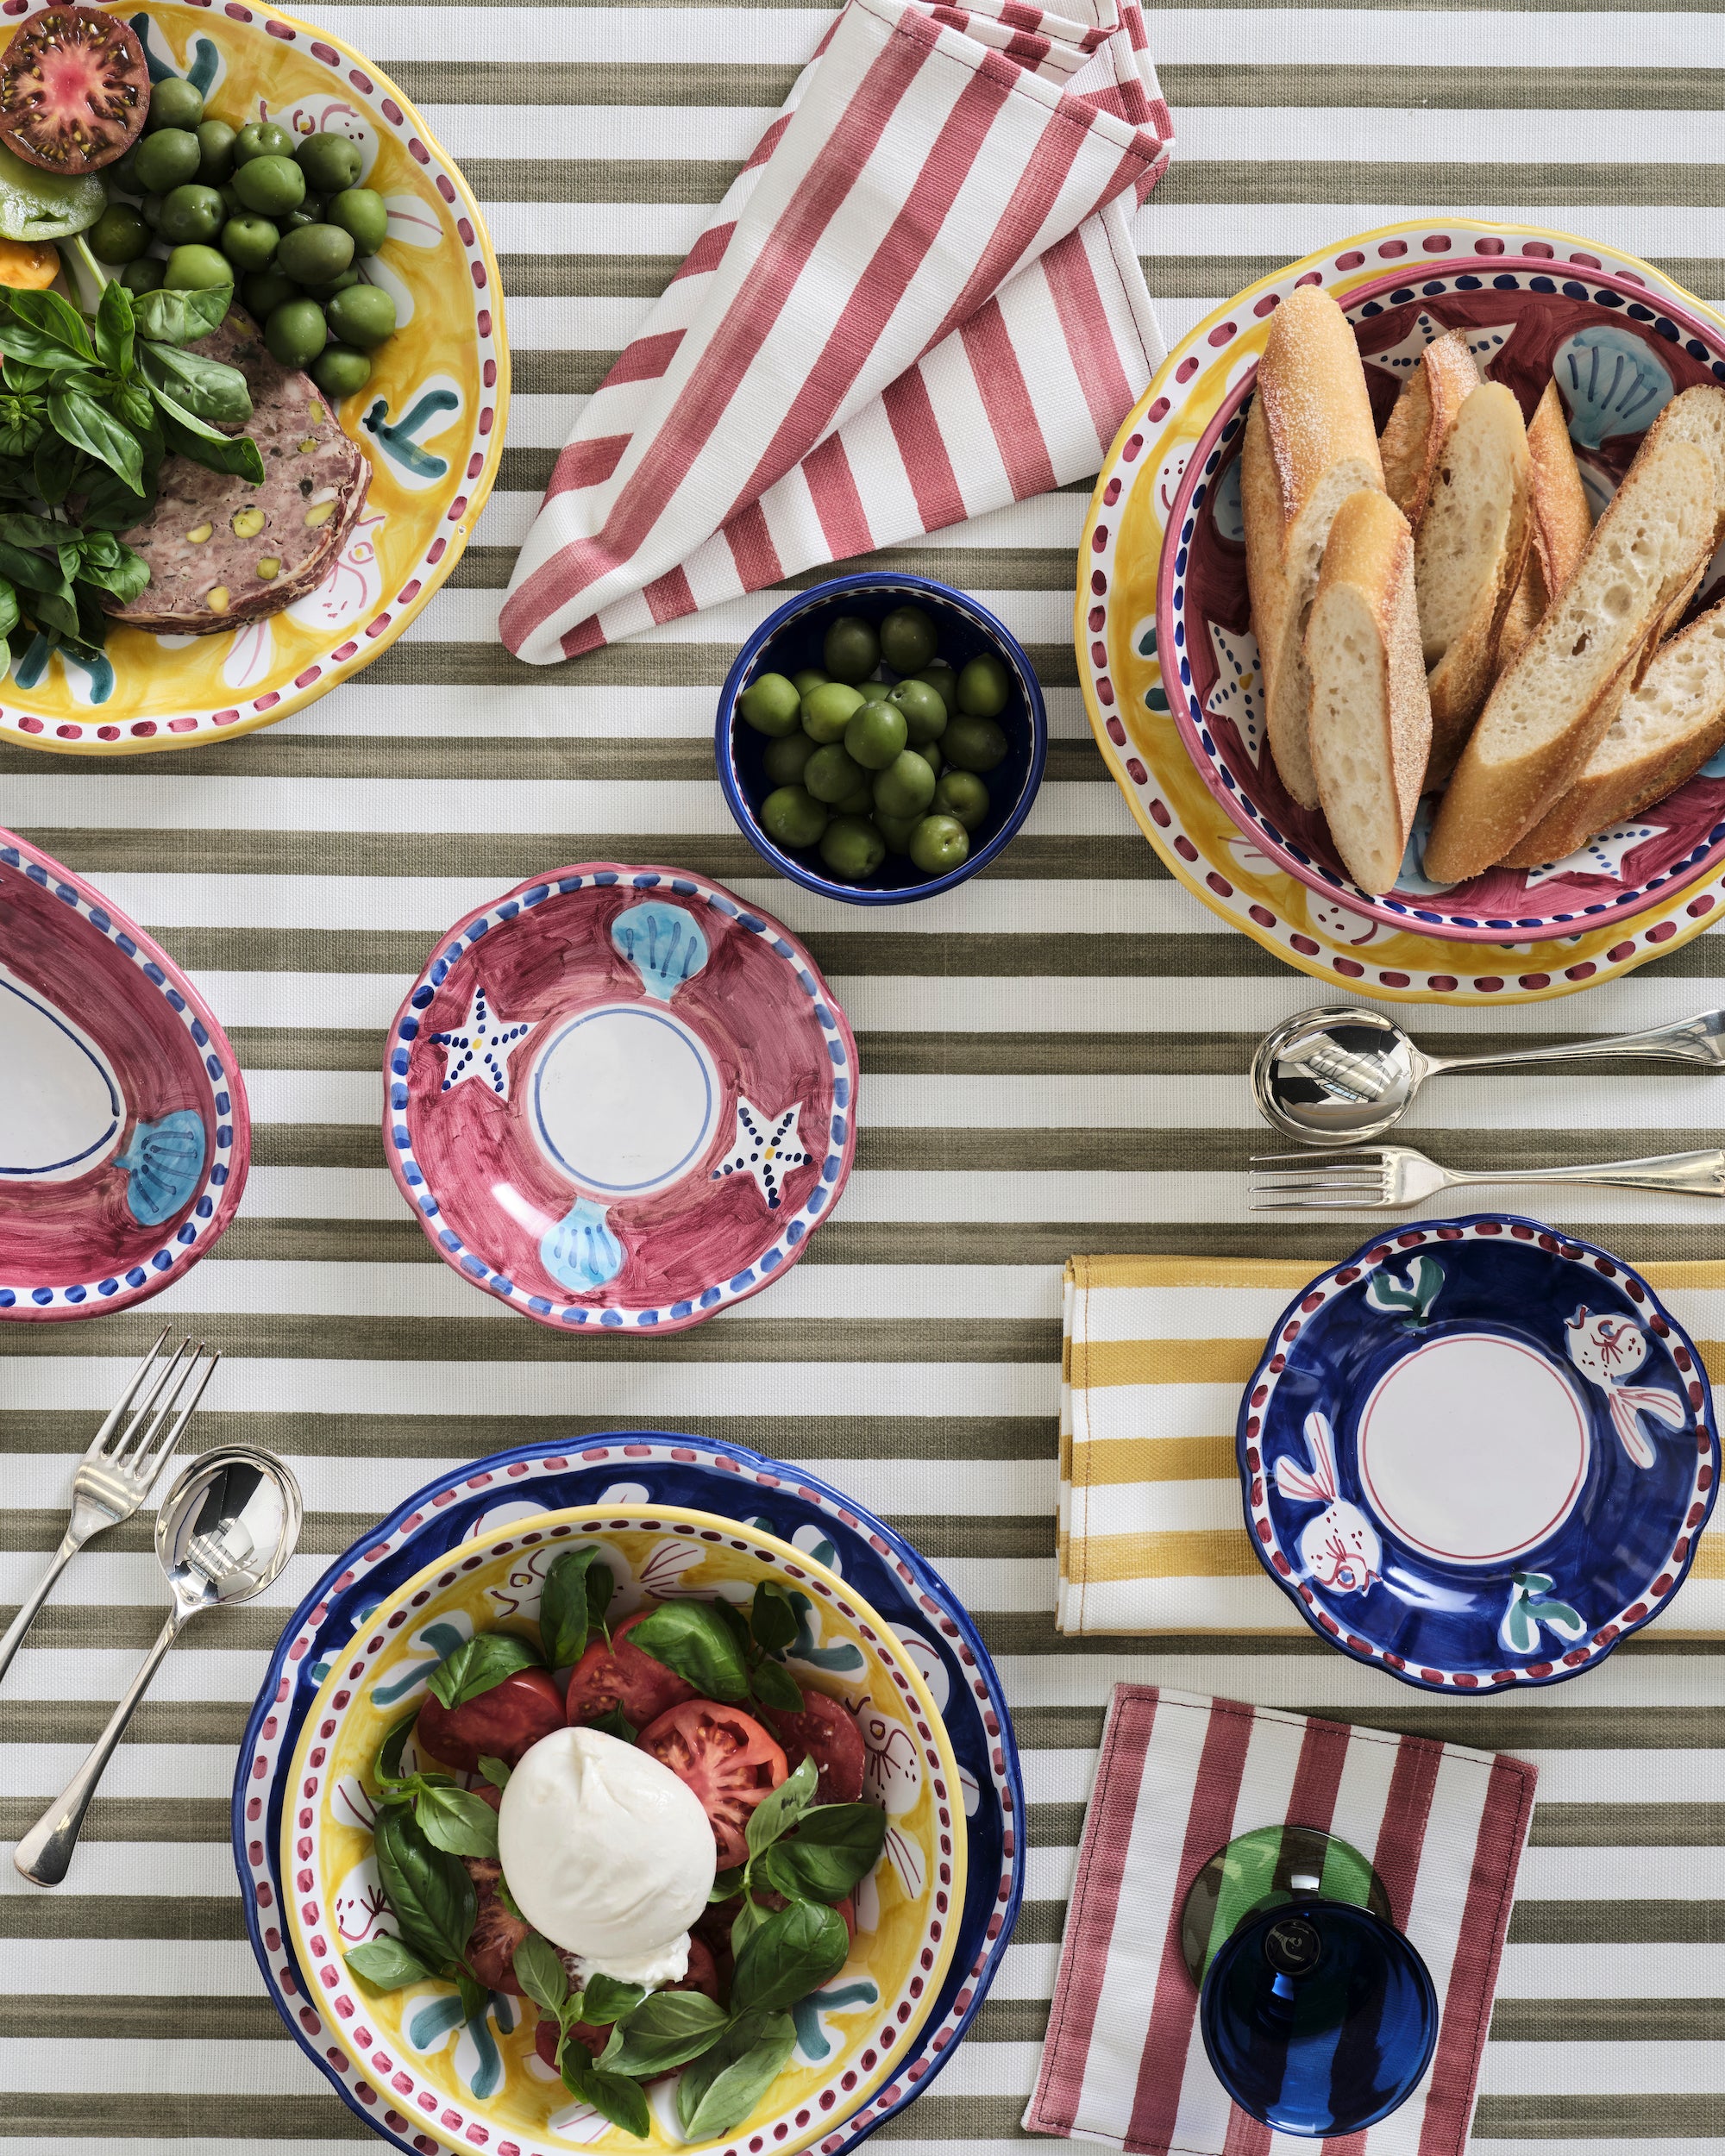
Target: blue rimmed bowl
point(791, 640)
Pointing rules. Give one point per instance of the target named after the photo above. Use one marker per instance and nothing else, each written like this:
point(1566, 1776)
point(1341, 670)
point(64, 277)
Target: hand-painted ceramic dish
point(634, 1466)
point(1226, 861)
point(431, 419)
point(484, 2073)
point(1478, 1454)
point(620, 1097)
point(124, 1133)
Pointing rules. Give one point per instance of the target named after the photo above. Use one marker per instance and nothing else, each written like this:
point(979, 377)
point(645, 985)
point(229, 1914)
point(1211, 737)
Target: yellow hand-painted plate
point(1121, 667)
point(431, 419)
point(480, 2083)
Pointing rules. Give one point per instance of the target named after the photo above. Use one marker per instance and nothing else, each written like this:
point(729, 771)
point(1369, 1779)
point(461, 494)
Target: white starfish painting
point(1485, 340)
point(1600, 856)
point(1237, 695)
point(481, 1047)
point(767, 1148)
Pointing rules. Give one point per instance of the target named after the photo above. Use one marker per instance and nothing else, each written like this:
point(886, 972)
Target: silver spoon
point(224, 1531)
point(1341, 1076)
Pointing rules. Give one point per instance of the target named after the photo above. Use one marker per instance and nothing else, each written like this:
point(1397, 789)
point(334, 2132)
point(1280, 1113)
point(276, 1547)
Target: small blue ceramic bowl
point(791, 639)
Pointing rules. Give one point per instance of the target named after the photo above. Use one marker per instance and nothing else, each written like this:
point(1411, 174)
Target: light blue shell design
point(1613, 382)
point(580, 1253)
point(663, 945)
point(163, 1163)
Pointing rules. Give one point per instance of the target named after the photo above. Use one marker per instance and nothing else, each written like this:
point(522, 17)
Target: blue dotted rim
point(218, 1196)
point(782, 1250)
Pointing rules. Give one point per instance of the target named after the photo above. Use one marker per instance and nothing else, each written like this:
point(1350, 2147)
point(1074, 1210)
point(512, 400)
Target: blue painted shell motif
point(581, 1253)
point(663, 945)
point(1613, 382)
point(163, 1164)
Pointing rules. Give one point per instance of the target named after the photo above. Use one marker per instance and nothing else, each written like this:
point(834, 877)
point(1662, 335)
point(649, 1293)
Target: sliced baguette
point(1309, 443)
point(1545, 715)
point(1371, 724)
point(1699, 417)
point(1468, 560)
point(1664, 731)
point(1561, 522)
point(1415, 431)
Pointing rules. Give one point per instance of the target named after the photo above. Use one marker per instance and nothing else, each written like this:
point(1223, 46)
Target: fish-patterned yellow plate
point(430, 420)
point(479, 2082)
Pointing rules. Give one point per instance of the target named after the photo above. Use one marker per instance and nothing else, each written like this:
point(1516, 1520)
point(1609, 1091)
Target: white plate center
point(625, 1099)
point(60, 1110)
point(1473, 1448)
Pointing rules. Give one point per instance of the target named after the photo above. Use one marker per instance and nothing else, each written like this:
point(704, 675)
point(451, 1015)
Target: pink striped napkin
point(920, 300)
point(1124, 2062)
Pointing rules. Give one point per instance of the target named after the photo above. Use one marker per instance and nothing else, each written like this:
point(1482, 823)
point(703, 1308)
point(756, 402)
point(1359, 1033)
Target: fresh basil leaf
point(54, 612)
point(723, 2086)
point(23, 566)
point(57, 465)
point(790, 1955)
point(132, 401)
point(563, 1608)
point(689, 1637)
point(773, 1686)
point(80, 420)
point(387, 1964)
point(475, 1997)
point(209, 387)
point(495, 1772)
point(614, 1723)
point(503, 1894)
point(114, 327)
point(771, 1619)
point(239, 457)
point(834, 1848)
point(726, 1883)
point(782, 1808)
point(747, 1921)
point(8, 609)
point(428, 1890)
point(479, 1665)
point(110, 505)
point(19, 528)
point(458, 1821)
point(612, 2096)
point(388, 1765)
point(609, 1999)
point(20, 379)
point(179, 318)
point(736, 1623)
point(53, 317)
point(541, 1974)
point(93, 624)
point(666, 2029)
point(601, 1585)
point(124, 577)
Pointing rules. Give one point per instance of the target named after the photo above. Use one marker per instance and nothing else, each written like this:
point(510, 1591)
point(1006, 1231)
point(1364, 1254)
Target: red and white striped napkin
point(1124, 2062)
point(918, 301)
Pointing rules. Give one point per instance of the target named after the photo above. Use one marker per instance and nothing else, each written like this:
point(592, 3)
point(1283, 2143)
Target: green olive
point(121, 175)
point(215, 141)
point(907, 785)
point(831, 775)
point(248, 242)
point(194, 269)
point(262, 138)
point(908, 640)
point(330, 162)
point(311, 211)
point(771, 706)
point(875, 735)
point(191, 213)
point(973, 743)
point(792, 817)
point(828, 710)
point(852, 848)
point(267, 291)
point(984, 686)
point(167, 160)
point(861, 803)
point(174, 103)
point(361, 211)
point(339, 371)
point(316, 253)
point(810, 677)
point(147, 274)
point(271, 185)
point(929, 753)
point(874, 692)
point(295, 333)
point(119, 234)
point(896, 831)
point(324, 293)
point(925, 715)
point(963, 796)
point(944, 681)
point(785, 761)
point(939, 845)
point(852, 650)
point(363, 315)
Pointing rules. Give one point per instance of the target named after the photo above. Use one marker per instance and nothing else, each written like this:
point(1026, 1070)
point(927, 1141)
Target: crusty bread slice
point(1664, 731)
point(1696, 416)
point(1309, 443)
point(1561, 519)
point(1416, 430)
point(1371, 725)
point(1468, 560)
point(1545, 715)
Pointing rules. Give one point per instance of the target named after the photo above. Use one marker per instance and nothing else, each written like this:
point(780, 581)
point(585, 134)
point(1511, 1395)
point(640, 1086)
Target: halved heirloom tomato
point(496, 1933)
point(500, 1724)
point(74, 90)
point(825, 1732)
point(28, 266)
point(621, 1675)
point(726, 1758)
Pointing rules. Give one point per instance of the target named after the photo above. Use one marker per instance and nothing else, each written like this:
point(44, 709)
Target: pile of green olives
point(863, 767)
point(284, 220)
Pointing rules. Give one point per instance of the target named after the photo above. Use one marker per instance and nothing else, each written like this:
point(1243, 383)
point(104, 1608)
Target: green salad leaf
point(388, 1965)
point(791, 1953)
point(577, 1594)
point(479, 1665)
point(723, 2086)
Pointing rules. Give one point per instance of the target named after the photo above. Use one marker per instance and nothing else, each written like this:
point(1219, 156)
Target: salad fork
point(118, 1472)
point(1384, 1177)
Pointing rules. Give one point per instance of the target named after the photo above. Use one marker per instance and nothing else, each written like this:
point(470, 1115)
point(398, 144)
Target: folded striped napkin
point(1124, 2062)
point(918, 301)
point(1155, 1354)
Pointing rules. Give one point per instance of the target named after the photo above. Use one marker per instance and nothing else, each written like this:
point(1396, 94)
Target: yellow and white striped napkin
point(1155, 1353)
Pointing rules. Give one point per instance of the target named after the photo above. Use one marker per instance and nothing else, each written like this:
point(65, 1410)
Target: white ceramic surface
point(625, 1099)
point(61, 1110)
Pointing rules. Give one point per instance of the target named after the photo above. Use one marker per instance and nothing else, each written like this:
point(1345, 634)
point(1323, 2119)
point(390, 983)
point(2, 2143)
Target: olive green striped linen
point(1051, 1061)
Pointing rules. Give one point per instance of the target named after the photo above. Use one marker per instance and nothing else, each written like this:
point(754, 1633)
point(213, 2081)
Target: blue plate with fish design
point(1478, 1454)
point(666, 1468)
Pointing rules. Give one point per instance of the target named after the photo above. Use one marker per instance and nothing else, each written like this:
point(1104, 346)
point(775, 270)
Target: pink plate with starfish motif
point(619, 1097)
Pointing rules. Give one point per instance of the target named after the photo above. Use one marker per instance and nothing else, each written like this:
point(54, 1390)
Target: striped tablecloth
point(1051, 1061)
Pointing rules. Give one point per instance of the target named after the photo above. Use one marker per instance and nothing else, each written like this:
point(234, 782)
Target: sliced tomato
point(496, 1933)
point(825, 1732)
point(500, 1724)
point(621, 1675)
point(726, 1758)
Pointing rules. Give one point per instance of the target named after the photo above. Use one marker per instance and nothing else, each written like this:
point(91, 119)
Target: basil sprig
point(479, 1665)
point(724, 2085)
point(578, 1589)
point(724, 1654)
point(454, 1820)
point(434, 1907)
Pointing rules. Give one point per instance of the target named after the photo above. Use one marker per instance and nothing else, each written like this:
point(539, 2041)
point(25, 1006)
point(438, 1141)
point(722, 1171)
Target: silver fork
point(118, 1472)
point(1386, 1177)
